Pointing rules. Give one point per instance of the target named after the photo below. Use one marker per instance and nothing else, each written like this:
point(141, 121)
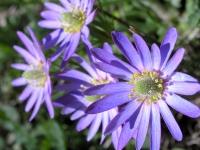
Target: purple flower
point(35, 75)
point(70, 22)
point(151, 86)
point(75, 102)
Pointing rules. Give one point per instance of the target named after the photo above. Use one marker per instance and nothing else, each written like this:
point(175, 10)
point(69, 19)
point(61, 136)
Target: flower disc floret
point(73, 21)
point(148, 85)
point(36, 77)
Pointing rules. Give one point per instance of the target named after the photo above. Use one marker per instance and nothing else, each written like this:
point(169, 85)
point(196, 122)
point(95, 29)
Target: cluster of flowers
point(125, 107)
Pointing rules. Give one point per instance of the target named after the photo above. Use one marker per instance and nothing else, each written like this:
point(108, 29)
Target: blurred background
point(150, 17)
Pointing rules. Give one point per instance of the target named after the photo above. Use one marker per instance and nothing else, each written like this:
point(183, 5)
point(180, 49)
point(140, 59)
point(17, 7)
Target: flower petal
point(79, 113)
point(20, 66)
point(50, 24)
point(182, 105)
point(109, 58)
point(84, 122)
point(85, 31)
point(110, 88)
point(179, 76)
point(25, 93)
point(184, 88)
point(143, 51)
point(72, 46)
point(108, 102)
point(169, 120)
point(54, 38)
point(85, 65)
point(143, 126)
point(26, 55)
point(66, 4)
point(155, 56)
point(173, 63)
point(122, 116)
point(54, 7)
point(19, 81)
point(126, 47)
point(32, 100)
point(167, 45)
point(68, 87)
point(107, 47)
point(155, 128)
point(94, 127)
point(91, 16)
point(49, 106)
point(115, 71)
point(105, 121)
point(50, 15)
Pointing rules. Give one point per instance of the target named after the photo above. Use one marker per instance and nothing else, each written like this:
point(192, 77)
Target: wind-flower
point(75, 102)
point(151, 85)
point(35, 75)
point(70, 21)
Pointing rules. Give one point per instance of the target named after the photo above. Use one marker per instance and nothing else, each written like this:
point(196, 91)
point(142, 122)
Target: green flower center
point(148, 86)
point(95, 82)
point(36, 77)
point(73, 21)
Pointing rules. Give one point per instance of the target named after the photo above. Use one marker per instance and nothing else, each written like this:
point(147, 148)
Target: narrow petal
point(84, 122)
point(182, 105)
point(50, 15)
point(143, 51)
point(20, 66)
point(49, 106)
point(26, 55)
point(173, 63)
point(66, 4)
point(184, 88)
point(129, 128)
point(50, 24)
point(32, 100)
point(85, 65)
point(71, 107)
point(179, 76)
point(126, 47)
point(105, 121)
point(143, 127)
point(25, 93)
point(37, 105)
point(108, 102)
point(71, 48)
point(91, 16)
point(94, 127)
point(74, 76)
point(68, 87)
point(54, 7)
point(79, 113)
point(167, 45)
point(156, 58)
point(107, 47)
point(155, 128)
point(19, 81)
point(109, 58)
point(85, 31)
point(61, 48)
point(54, 38)
point(170, 121)
point(115, 71)
point(122, 116)
point(110, 88)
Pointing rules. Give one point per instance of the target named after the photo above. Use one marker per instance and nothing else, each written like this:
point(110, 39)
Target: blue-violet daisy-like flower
point(70, 22)
point(35, 75)
point(75, 102)
point(151, 86)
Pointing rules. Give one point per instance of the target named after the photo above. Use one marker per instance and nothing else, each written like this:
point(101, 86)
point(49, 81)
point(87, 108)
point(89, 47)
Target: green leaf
point(194, 19)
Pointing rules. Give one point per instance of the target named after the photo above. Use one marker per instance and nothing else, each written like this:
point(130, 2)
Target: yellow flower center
point(73, 21)
point(95, 82)
point(36, 77)
point(148, 86)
